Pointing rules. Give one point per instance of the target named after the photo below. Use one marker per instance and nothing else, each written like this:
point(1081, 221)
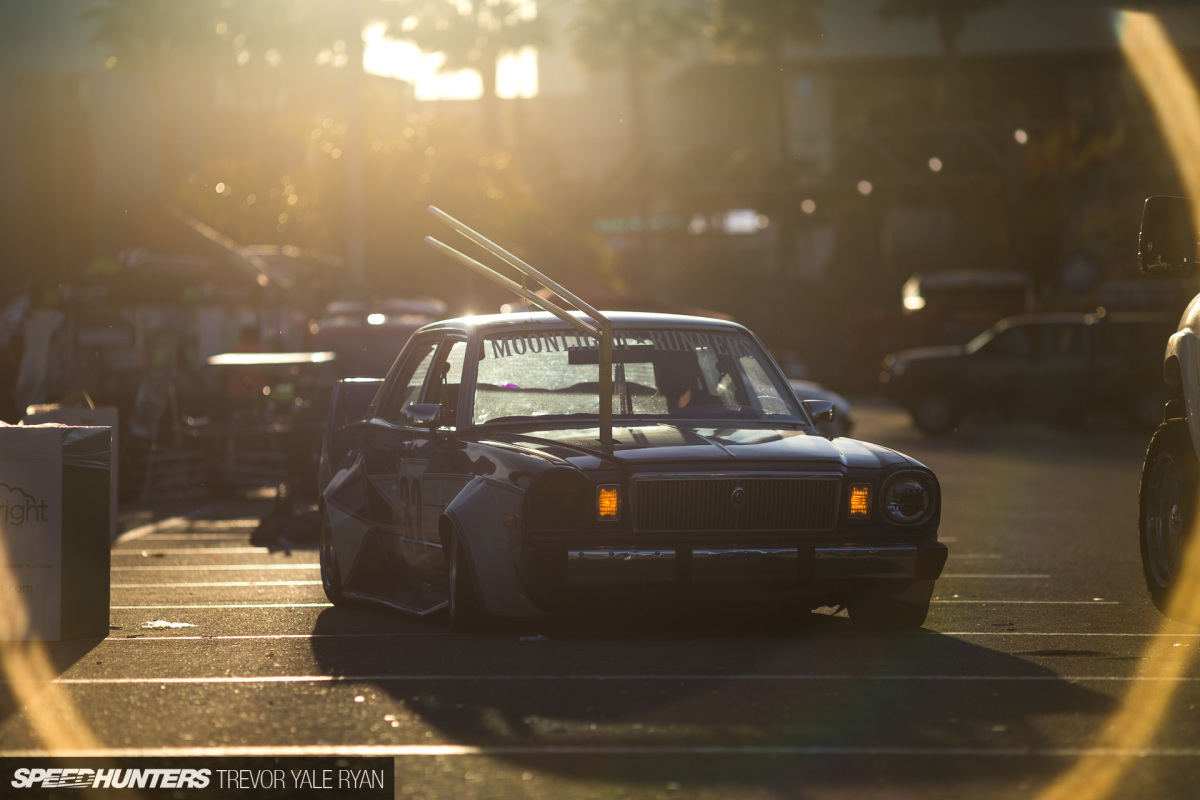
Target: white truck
point(1169, 489)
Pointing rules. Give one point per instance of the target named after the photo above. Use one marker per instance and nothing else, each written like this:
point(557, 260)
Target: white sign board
point(31, 528)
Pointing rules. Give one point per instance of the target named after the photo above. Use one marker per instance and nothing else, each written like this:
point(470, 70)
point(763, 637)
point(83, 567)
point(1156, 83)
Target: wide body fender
point(477, 516)
point(347, 530)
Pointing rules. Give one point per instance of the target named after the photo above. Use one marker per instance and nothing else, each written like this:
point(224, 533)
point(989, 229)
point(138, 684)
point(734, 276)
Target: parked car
point(486, 476)
point(844, 418)
point(367, 335)
point(953, 306)
point(1057, 364)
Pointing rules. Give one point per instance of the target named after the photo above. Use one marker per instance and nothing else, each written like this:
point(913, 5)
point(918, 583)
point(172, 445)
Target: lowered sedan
point(487, 476)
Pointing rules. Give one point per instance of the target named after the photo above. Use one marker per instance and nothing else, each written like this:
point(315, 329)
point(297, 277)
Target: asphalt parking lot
point(1042, 668)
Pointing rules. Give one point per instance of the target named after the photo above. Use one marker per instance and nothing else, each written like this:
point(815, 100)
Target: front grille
point(690, 504)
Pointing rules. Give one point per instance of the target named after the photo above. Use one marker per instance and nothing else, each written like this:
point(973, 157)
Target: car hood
point(679, 445)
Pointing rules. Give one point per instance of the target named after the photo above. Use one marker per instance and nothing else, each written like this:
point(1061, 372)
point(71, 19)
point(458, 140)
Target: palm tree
point(759, 31)
point(636, 37)
point(474, 35)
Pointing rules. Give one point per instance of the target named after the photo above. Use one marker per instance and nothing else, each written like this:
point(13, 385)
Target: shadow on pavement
point(35, 662)
point(741, 705)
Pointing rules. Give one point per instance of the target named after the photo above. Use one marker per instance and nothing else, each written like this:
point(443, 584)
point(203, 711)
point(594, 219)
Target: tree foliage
point(635, 37)
point(474, 34)
point(759, 30)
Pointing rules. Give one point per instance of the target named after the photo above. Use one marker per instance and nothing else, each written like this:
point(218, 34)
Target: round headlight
point(559, 498)
point(908, 498)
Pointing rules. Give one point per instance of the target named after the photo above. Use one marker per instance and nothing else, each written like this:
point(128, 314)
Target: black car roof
point(620, 319)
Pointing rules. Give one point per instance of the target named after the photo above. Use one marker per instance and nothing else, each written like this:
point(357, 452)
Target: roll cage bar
point(598, 326)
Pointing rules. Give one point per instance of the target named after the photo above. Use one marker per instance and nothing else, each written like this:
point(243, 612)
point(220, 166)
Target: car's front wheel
point(331, 578)
point(1165, 508)
point(465, 610)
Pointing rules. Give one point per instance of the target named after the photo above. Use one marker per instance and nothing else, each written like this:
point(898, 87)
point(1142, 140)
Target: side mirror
point(822, 411)
point(1167, 243)
point(423, 415)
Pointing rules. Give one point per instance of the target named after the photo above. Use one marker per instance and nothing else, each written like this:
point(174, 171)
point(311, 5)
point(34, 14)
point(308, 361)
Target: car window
point(766, 393)
point(1016, 342)
point(407, 387)
point(445, 385)
point(655, 373)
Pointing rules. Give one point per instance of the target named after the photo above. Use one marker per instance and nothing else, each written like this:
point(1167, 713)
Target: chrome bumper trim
point(594, 566)
point(898, 561)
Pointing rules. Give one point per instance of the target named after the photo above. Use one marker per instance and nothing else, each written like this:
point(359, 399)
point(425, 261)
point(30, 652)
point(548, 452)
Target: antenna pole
point(600, 325)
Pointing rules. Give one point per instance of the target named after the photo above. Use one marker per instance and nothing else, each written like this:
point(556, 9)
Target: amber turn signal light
point(860, 500)
point(608, 502)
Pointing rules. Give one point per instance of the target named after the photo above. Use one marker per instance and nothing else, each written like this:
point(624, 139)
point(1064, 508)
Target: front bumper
point(830, 572)
point(923, 561)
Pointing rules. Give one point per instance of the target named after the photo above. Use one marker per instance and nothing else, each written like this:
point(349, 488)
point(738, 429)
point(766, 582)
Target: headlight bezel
point(928, 484)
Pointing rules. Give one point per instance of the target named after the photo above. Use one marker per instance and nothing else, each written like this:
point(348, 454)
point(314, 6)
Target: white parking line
point(198, 567)
point(1032, 602)
point(141, 638)
point(227, 605)
point(523, 678)
point(212, 585)
point(654, 751)
point(156, 638)
point(249, 523)
point(1054, 633)
point(196, 536)
point(174, 523)
point(1041, 576)
point(188, 523)
point(191, 551)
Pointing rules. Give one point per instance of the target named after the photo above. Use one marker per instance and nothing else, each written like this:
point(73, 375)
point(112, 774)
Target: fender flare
point(476, 516)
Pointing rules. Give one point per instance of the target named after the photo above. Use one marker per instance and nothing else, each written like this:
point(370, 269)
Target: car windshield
point(553, 373)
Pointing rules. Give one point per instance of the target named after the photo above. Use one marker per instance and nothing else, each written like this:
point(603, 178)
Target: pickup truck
point(1064, 365)
point(1167, 498)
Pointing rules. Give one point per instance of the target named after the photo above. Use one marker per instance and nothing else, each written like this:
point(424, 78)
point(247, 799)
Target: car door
point(434, 468)
point(1059, 379)
point(394, 474)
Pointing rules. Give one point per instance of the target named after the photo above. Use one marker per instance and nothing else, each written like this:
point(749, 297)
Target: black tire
point(935, 411)
point(465, 611)
point(1166, 504)
point(331, 578)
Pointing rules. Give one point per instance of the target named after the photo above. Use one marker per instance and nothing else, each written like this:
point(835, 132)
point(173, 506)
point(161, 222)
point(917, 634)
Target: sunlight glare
point(1155, 63)
point(516, 73)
